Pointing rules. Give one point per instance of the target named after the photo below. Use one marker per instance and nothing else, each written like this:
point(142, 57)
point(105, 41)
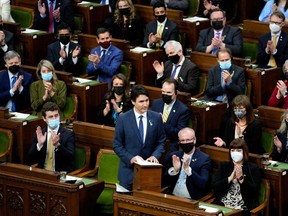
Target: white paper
point(18, 115)
point(142, 162)
point(81, 80)
point(272, 162)
point(71, 178)
point(209, 209)
point(84, 2)
point(195, 19)
point(29, 31)
point(121, 189)
point(140, 49)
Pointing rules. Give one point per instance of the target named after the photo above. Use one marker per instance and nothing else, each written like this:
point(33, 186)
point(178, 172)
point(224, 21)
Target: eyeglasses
point(187, 141)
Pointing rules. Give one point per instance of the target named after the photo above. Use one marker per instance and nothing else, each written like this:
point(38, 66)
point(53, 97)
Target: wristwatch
point(240, 178)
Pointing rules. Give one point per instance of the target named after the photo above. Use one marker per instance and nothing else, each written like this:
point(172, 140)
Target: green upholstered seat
point(201, 86)
point(267, 140)
point(78, 23)
point(6, 142)
point(264, 196)
point(125, 69)
point(193, 8)
point(81, 159)
point(250, 49)
point(23, 15)
point(71, 107)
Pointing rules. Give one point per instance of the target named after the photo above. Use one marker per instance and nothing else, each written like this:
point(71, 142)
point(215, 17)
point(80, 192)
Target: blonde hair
point(50, 67)
point(283, 126)
point(117, 15)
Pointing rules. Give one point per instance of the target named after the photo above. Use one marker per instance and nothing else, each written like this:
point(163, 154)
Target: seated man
point(220, 35)
point(15, 84)
point(161, 30)
point(175, 114)
point(272, 47)
point(64, 54)
point(50, 13)
point(173, 4)
point(53, 147)
point(105, 59)
point(187, 171)
point(225, 81)
point(177, 67)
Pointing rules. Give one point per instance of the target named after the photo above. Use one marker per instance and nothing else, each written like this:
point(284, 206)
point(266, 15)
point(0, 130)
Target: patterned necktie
point(13, 108)
point(51, 19)
point(174, 71)
point(272, 59)
point(159, 32)
point(49, 159)
point(215, 50)
point(166, 113)
point(141, 129)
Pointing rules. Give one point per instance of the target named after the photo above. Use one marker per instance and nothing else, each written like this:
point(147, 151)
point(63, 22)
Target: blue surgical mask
point(47, 76)
point(53, 123)
point(225, 65)
point(239, 113)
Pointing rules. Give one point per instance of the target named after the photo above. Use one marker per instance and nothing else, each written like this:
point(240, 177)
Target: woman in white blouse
point(5, 11)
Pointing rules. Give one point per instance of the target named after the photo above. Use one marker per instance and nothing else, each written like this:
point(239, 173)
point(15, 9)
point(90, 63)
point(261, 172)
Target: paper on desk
point(272, 162)
point(18, 115)
point(210, 103)
point(209, 209)
point(195, 19)
point(29, 31)
point(83, 2)
point(70, 178)
point(121, 189)
point(140, 49)
point(82, 81)
point(145, 162)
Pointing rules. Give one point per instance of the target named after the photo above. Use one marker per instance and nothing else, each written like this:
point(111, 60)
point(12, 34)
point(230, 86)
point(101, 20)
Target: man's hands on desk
point(138, 159)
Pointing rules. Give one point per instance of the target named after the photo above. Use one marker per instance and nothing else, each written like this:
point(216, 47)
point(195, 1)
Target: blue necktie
point(215, 50)
point(141, 130)
point(13, 108)
point(174, 71)
point(103, 54)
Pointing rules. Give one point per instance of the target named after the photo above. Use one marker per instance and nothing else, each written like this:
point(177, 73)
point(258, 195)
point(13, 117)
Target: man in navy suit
point(175, 114)
point(271, 54)
point(53, 147)
point(62, 12)
point(225, 81)
point(220, 35)
point(187, 171)
point(139, 135)
point(15, 84)
point(161, 30)
point(177, 67)
point(105, 59)
point(64, 54)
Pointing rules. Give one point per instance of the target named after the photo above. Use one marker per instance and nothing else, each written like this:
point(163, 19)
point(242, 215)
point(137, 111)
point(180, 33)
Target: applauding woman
point(47, 88)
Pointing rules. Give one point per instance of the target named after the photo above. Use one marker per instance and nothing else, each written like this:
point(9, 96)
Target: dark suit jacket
point(9, 41)
point(108, 66)
point(22, 100)
point(127, 142)
point(232, 37)
point(197, 183)
point(283, 155)
point(177, 119)
point(214, 88)
point(64, 156)
point(249, 188)
point(170, 32)
point(187, 78)
point(66, 15)
point(68, 65)
point(282, 51)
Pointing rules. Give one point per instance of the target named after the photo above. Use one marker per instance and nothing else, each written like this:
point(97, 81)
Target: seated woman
point(279, 152)
point(242, 124)
point(47, 88)
point(237, 183)
point(279, 96)
point(116, 101)
point(5, 11)
point(127, 25)
point(271, 6)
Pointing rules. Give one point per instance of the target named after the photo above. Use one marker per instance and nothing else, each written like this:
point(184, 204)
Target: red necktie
point(51, 20)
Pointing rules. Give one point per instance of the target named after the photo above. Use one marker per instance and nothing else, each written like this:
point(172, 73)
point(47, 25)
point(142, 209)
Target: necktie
point(174, 71)
point(103, 54)
point(13, 108)
point(49, 159)
point(66, 59)
point(166, 113)
point(272, 59)
point(141, 129)
point(103, 2)
point(217, 35)
point(159, 32)
point(51, 19)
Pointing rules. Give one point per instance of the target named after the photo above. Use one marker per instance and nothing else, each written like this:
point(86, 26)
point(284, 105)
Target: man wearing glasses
point(220, 35)
point(272, 47)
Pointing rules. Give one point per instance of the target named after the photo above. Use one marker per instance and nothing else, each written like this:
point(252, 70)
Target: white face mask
point(274, 27)
point(237, 156)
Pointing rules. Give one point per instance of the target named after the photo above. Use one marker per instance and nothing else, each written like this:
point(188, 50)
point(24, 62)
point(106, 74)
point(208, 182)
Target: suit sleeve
point(66, 150)
point(237, 42)
point(53, 56)
point(237, 86)
point(67, 14)
point(161, 138)
point(201, 47)
point(178, 4)
point(112, 68)
point(212, 89)
point(273, 100)
point(262, 57)
point(39, 22)
point(192, 80)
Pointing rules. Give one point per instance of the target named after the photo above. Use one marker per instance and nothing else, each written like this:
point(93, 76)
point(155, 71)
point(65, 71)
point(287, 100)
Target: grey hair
point(283, 126)
point(186, 130)
point(11, 54)
point(283, 67)
point(175, 44)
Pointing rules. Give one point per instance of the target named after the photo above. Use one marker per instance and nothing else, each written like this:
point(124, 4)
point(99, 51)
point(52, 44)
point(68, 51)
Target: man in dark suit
point(64, 54)
point(105, 59)
point(15, 84)
point(177, 67)
point(112, 6)
point(53, 148)
point(220, 35)
point(139, 135)
point(187, 171)
point(175, 114)
point(161, 30)
point(48, 20)
point(272, 47)
point(225, 81)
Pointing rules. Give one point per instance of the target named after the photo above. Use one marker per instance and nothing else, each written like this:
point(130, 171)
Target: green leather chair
point(23, 15)
point(201, 86)
point(264, 196)
point(81, 159)
point(6, 143)
point(193, 8)
point(126, 69)
point(250, 49)
point(71, 107)
point(267, 140)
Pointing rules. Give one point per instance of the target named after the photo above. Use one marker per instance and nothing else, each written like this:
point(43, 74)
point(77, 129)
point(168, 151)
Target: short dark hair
point(101, 30)
point(239, 143)
point(172, 81)
point(138, 90)
point(227, 50)
point(278, 14)
point(217, 9)
point(49, 106)
point(63, 26)
point(159, 4)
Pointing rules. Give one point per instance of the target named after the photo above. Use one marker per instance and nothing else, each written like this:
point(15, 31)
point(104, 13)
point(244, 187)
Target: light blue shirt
point(267, 10)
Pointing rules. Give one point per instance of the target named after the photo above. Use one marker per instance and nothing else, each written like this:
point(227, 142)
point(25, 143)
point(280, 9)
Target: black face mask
point(217, 25)
point(161, 18)
point(124, 11)
point(286, 75)
point(64, 39)
point(119, 90)
point(174, 59)
point(14, 69)
point(167, 98)
point(187, 147)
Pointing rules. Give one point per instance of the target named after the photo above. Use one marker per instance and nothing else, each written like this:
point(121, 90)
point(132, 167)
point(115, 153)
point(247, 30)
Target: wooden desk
point(208, 120)
point(25, 3)
point(270, 117)
point(30, 191)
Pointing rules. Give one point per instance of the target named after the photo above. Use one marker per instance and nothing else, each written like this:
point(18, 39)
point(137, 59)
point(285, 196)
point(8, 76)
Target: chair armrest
point(207, 198)
point(210, 200)
point(88, 173)
point(76, 172)
point(258, 209)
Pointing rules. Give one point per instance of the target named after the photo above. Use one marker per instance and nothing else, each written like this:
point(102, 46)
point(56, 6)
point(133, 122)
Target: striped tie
point(166, 113)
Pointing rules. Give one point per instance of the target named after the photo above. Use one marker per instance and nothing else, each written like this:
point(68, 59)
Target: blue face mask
point(225, 65)
point(53, 123)
point(47, 76)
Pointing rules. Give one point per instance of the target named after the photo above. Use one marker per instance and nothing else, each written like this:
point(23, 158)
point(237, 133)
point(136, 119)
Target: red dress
point(274, 102)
